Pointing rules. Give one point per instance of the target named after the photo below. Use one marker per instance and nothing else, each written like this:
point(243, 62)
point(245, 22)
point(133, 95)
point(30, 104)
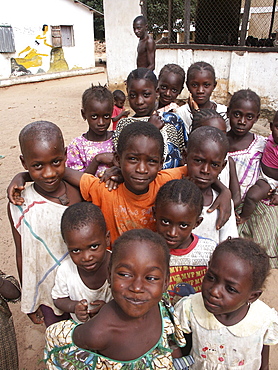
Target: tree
point(99, 29)
point(157, 14)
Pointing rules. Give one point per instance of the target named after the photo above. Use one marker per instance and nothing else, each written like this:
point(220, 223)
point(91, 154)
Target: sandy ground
point(58, 101)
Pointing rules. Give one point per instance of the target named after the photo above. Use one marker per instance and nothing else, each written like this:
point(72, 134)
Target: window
point(62, 36)
point(6, 39)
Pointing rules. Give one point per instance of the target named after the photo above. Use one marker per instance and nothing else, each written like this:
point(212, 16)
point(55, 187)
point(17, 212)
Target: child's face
point(98, 115)
point(139, 163)
point(243, 114)
point(216, 122)
point(45, 161)
point(227, 286)
point(142, 97)
point(169, 87)
point(119, 102)
point(205, 163)
point(140, 29)
point(201, 85)
point(87, 247)
point(138, 278)
point(274, 129)
point(175, 223)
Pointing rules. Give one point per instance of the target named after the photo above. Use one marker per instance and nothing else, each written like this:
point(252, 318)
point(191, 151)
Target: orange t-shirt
point(122, 209)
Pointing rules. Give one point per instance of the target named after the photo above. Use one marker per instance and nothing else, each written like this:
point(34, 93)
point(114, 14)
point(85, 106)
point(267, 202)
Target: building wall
point(234, 70)
point(27, 19)
point(121, 42)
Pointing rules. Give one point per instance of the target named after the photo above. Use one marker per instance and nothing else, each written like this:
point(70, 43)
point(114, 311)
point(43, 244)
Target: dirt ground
point(58, 101)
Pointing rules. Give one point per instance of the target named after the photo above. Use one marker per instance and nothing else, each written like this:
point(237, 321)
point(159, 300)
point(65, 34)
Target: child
point(206, 153)
point(200, 82)
point(9, 292)
point(146, 46)
point(231, 328)
point(246, 150)
point(139, 157)
point(170, 84)
point(118, 111)
point(96, 143)
point(228, 176)
point(269, 174)
point(142, 94)
point(177, 211)
point(132, 331)
point(81, 280)
point(35, 224)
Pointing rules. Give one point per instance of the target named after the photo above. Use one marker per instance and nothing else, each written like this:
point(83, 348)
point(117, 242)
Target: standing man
point(146, 45)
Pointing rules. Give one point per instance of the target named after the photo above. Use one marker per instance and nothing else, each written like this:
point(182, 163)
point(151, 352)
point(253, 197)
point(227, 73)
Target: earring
point(249, 303)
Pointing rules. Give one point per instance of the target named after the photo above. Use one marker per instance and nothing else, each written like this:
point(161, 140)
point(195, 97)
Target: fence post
point(244, 23)
point(170, 4)
point(186, 21)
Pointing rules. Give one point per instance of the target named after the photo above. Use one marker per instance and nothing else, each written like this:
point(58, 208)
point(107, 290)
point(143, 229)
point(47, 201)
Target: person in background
point(146, 46)
point(9, 292)
point(118, 110)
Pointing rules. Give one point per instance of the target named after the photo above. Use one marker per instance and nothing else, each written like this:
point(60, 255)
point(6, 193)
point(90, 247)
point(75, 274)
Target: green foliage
point(157, 14)
point(98, 21)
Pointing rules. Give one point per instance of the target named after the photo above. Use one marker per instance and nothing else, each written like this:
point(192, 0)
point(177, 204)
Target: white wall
point(121, 42)
point(27, 18)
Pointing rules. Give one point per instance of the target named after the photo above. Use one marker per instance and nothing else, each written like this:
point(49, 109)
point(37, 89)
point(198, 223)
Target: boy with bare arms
point(146, 45)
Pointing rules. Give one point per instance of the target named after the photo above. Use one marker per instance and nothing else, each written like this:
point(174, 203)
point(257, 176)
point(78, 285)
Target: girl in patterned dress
point(96, 144)
point(134, 330)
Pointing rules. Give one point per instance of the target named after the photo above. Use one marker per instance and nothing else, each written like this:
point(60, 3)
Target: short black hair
point(40, 131)
point(142, 74)
point(205, 133)
point(181, 191)
point(118, 94)
point(245, 94)
point(141, 235)
point(199, 66)
point(174, 68)
point(252, 253)
point(202, 115)
point(82, 214)
point(136, 129)
point(99, 93)
point(140, 18)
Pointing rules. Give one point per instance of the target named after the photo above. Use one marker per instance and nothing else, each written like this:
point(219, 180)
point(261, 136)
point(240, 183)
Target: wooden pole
point(244, 24)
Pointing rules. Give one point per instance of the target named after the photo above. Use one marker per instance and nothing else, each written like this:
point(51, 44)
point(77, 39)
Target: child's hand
point(112, 177)
point(274, 200)
point(156, 120)
point(36, 317)
point(96, 307)
point(81, 310)
point(105, 158)
point(223, 203)
point(125, 113)
point(240, 220)
point(15, 188)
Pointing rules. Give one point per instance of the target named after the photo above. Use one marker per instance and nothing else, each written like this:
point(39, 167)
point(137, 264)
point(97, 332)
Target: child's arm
point(124, 113)
point(16, 186)
point(222, 202)
point(80, 308)
point(17, 242)
point(105, 158)
point(234, 184)
point(265, 358)
point(257, 192)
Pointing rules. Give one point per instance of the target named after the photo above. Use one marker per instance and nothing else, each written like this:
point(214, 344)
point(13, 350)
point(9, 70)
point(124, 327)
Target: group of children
point(117, 260)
